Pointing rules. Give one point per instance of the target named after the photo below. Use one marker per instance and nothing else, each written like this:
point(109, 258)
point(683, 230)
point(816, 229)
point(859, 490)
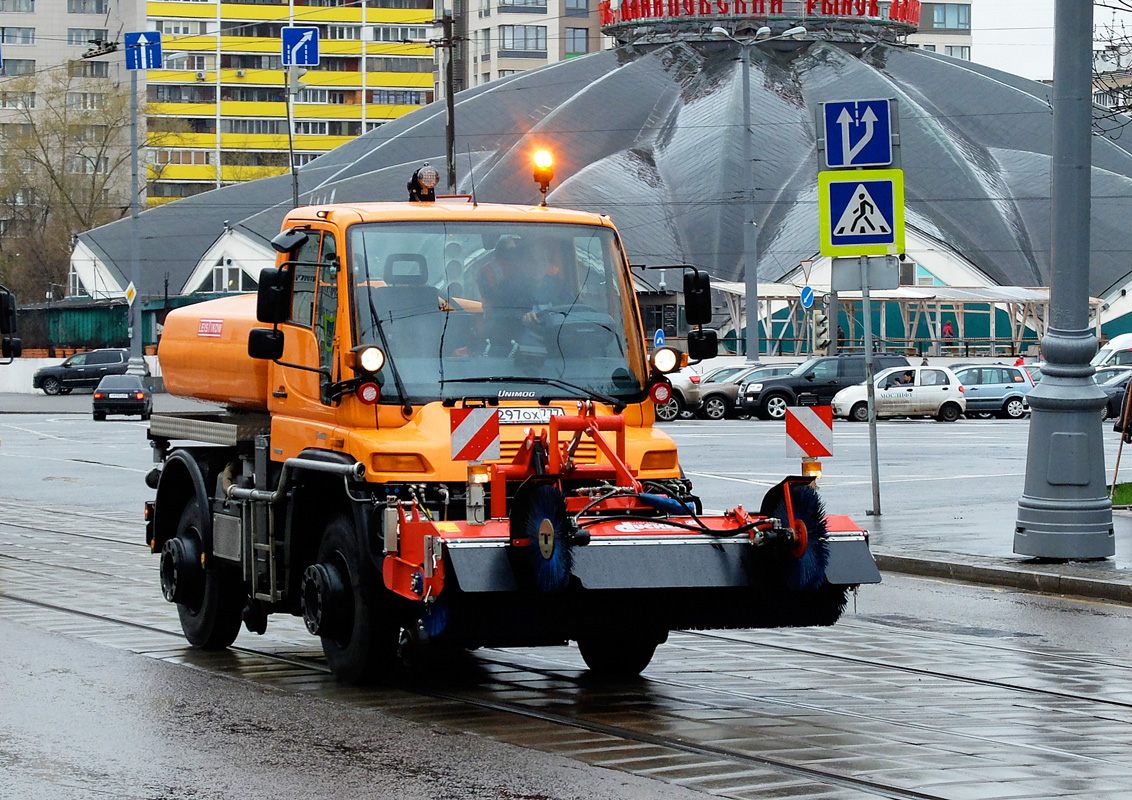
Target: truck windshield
point(459, 301)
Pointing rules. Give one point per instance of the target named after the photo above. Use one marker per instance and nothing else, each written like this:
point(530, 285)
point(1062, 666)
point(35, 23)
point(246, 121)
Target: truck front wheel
point(359, 635)
point(210, 599)
point(621, 655)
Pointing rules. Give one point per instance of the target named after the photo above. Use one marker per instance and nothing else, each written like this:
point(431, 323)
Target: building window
point(956, 51)
point(485, 8)
point(253, 94)
point(180, 27)
point(88, 101)
point(87, 6)
point(270, 126)
point(86, 165)
point(161, 189)
point(522, 37)
point(394, 64)
point(227, 277)
point(85, 36)
point(173, 93)
point(17, 5)
point(353, 32)
point(398, 33)
point(191, 157)
point(951, 16)
point(309, 128)
point(190, 62)
point(17, 35)
point(577, 8)
point(929, 47)
point(400, 97)
point(539, 5)
point(23, 66)
point(83, 69)
point(22, 100)
point(577, 41)
point(503, 73)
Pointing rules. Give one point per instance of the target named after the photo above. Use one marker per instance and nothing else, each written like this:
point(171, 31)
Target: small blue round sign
point(807, 297)
point(658, 339)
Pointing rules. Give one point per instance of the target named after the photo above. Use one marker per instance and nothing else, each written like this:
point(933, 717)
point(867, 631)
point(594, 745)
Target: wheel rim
point(776, 407)
point(668, 411)
point(949, 413)
point(861, 412)
point(714, 408)
point(51, 386)
point(1014, 409)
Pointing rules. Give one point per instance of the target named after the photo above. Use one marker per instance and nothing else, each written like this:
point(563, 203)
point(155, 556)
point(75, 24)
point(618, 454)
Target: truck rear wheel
point(210, 599)
point(360, 642)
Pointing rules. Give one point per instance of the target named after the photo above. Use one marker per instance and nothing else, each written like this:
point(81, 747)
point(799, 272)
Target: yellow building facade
point(217, 113)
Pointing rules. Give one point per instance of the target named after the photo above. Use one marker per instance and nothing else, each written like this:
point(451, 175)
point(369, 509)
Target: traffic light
point(821, 333)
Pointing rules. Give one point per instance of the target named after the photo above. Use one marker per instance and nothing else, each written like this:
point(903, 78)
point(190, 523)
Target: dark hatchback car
point(122, 394)
point(812, 383)
point(81, 371)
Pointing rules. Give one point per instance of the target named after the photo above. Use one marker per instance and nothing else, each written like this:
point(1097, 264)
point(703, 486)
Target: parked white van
point(1115, 352)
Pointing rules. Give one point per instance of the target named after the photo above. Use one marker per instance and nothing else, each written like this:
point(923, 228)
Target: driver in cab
point(514, 288)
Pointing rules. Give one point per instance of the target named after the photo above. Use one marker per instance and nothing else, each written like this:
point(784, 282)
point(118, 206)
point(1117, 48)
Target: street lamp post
point(750, 232)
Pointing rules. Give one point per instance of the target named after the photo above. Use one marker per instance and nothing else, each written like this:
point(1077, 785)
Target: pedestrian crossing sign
point(861, 212)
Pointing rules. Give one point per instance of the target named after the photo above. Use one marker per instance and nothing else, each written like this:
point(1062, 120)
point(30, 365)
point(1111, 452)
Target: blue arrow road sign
point(658, 339)
point(807, 297)
point(300, 47)
point(861, 213)
point(143, 50)
point(858, 133)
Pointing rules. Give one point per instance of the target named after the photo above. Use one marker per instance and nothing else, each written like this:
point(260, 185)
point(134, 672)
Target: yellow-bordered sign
point(861, 212)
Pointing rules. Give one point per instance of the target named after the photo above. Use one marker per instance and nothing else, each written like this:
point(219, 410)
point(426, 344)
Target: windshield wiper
point(618, 405)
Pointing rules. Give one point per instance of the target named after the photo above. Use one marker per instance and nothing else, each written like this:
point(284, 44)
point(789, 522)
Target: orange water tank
point(204, 353)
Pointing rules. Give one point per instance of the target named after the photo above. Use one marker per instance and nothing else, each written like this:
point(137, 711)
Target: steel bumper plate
point(650, 563)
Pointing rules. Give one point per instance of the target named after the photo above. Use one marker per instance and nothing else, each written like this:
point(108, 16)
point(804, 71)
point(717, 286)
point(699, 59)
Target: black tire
point(670, 411)
point(1105, 413)
point(610, 656)
point(365, 649)
point(1014, 408)
point(774, 407)
point(978, 415)
point(714, 407)
point(211, 620)
point(859, 412)
point(99, 416)
point(949, 412)
point(65, 390)
point(51, 386)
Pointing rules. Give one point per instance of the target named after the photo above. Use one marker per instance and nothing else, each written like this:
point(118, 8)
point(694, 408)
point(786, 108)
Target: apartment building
point(509, 36)
point(218, 111)
point(945, 28)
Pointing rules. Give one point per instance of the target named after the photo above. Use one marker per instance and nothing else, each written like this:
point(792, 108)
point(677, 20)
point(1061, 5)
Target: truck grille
point(585, 454)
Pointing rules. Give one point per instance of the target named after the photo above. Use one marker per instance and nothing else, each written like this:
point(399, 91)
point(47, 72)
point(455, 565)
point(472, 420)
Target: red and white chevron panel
point(475, 434)
point(809, 431)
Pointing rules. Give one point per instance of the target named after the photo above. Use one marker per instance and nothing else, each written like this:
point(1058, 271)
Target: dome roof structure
point(651, 134)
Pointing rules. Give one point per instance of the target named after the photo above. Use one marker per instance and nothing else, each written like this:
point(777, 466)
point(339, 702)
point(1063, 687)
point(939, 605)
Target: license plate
point(118, 396)
point(539, 415)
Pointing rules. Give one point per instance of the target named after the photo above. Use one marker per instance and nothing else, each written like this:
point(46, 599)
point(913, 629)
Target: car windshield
point(467, 309)
point(120, 382)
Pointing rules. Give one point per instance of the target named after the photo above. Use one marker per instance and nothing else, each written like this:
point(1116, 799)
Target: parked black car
point(813, 383)
point(81, 371)
point(122, 394)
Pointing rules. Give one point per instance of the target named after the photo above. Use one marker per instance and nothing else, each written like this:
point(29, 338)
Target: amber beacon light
point(544, 171)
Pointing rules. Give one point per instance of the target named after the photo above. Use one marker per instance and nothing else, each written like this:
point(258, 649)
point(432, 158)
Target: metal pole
point(291, 80)
point(750, 233)
point(1064, 511)
point(137, 362)
point(870, 389)
point(449, 50)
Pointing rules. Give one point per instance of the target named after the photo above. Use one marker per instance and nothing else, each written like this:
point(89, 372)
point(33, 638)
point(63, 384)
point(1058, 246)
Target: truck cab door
point(299, 395)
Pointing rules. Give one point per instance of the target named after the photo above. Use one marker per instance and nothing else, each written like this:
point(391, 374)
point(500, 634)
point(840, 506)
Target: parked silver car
point(998, 389)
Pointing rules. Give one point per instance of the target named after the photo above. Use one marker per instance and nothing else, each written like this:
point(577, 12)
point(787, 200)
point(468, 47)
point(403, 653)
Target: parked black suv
point(82, 370)
point(813, 383)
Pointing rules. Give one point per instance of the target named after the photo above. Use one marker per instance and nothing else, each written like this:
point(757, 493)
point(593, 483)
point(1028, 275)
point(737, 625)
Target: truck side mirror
point(273, 302)
point(697, 298)
point(702, 344)
point(265, 343)
point(289, 240)
point(11, 347)
point(7, 312)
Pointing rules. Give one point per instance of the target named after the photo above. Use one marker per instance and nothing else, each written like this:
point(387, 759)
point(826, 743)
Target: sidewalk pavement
point(932, 552)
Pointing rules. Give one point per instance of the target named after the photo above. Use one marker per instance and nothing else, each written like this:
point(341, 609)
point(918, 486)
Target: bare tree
point(1112, 68)
point(64, 168)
